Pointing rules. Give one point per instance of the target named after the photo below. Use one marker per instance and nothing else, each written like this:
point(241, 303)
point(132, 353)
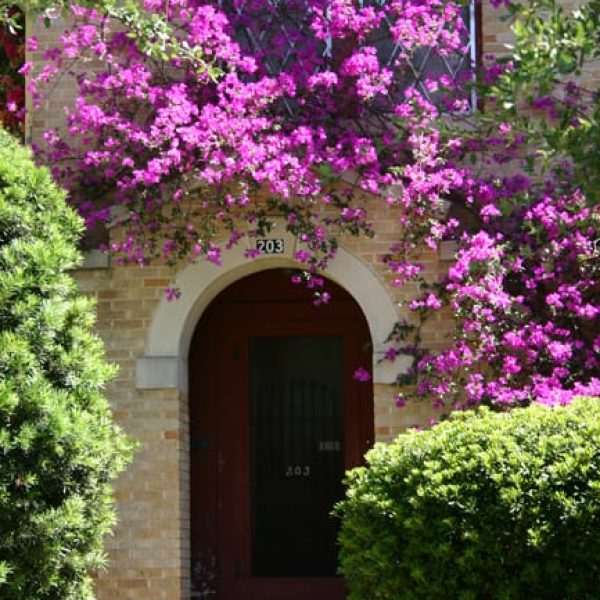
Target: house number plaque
point(270, 245)
point(297, 471)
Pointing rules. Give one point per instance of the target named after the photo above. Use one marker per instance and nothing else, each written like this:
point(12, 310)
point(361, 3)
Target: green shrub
point(59, 448)
point(484, 505)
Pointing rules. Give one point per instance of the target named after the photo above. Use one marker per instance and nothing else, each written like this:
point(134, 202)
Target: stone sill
point(95, 259)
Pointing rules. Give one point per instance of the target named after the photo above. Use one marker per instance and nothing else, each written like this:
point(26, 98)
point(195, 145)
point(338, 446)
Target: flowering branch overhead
point(234, 111)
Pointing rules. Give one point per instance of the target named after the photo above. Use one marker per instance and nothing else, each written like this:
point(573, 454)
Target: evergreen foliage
point(59, 447)
point(484, 505)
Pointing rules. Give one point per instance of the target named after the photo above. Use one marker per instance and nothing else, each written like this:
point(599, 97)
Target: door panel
point(297, 454)
point(275, 419)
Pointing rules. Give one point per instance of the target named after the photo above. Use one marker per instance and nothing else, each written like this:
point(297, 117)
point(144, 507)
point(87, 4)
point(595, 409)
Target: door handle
point(237, 569)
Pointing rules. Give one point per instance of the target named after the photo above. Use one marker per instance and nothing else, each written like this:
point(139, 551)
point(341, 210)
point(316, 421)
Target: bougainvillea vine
point(318, 110)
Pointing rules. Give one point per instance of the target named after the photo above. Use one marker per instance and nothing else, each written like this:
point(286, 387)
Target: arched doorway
point(275, 419)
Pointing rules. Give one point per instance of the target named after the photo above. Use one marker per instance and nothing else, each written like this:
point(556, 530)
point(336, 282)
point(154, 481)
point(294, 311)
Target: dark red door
point(275, 419)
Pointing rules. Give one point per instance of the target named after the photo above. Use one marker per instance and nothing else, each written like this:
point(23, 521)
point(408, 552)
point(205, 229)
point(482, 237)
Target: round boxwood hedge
point(484, 505)
point(59, 448)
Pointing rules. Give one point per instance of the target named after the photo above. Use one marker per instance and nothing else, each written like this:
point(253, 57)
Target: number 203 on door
point(297, 471)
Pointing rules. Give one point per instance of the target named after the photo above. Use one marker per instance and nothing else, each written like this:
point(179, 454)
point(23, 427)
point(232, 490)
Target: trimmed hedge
point(59, 448)
point(484, 505)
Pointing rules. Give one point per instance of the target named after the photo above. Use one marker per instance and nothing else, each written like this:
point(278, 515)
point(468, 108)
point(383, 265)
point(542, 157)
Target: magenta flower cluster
point(314, 110)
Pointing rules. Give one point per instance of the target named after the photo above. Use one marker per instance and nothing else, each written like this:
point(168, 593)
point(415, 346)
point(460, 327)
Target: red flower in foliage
point(12, 84)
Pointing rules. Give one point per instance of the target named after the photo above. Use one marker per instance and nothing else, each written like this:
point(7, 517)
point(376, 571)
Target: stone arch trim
point(164, 364)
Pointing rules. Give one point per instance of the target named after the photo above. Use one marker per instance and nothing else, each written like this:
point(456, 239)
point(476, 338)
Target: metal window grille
point(278, 33)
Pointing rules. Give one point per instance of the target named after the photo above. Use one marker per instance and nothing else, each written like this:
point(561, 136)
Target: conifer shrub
point(59, 447)
point(483, 506)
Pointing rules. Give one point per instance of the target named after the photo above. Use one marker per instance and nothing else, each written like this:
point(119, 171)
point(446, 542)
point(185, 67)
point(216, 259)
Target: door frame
point(233, 318)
